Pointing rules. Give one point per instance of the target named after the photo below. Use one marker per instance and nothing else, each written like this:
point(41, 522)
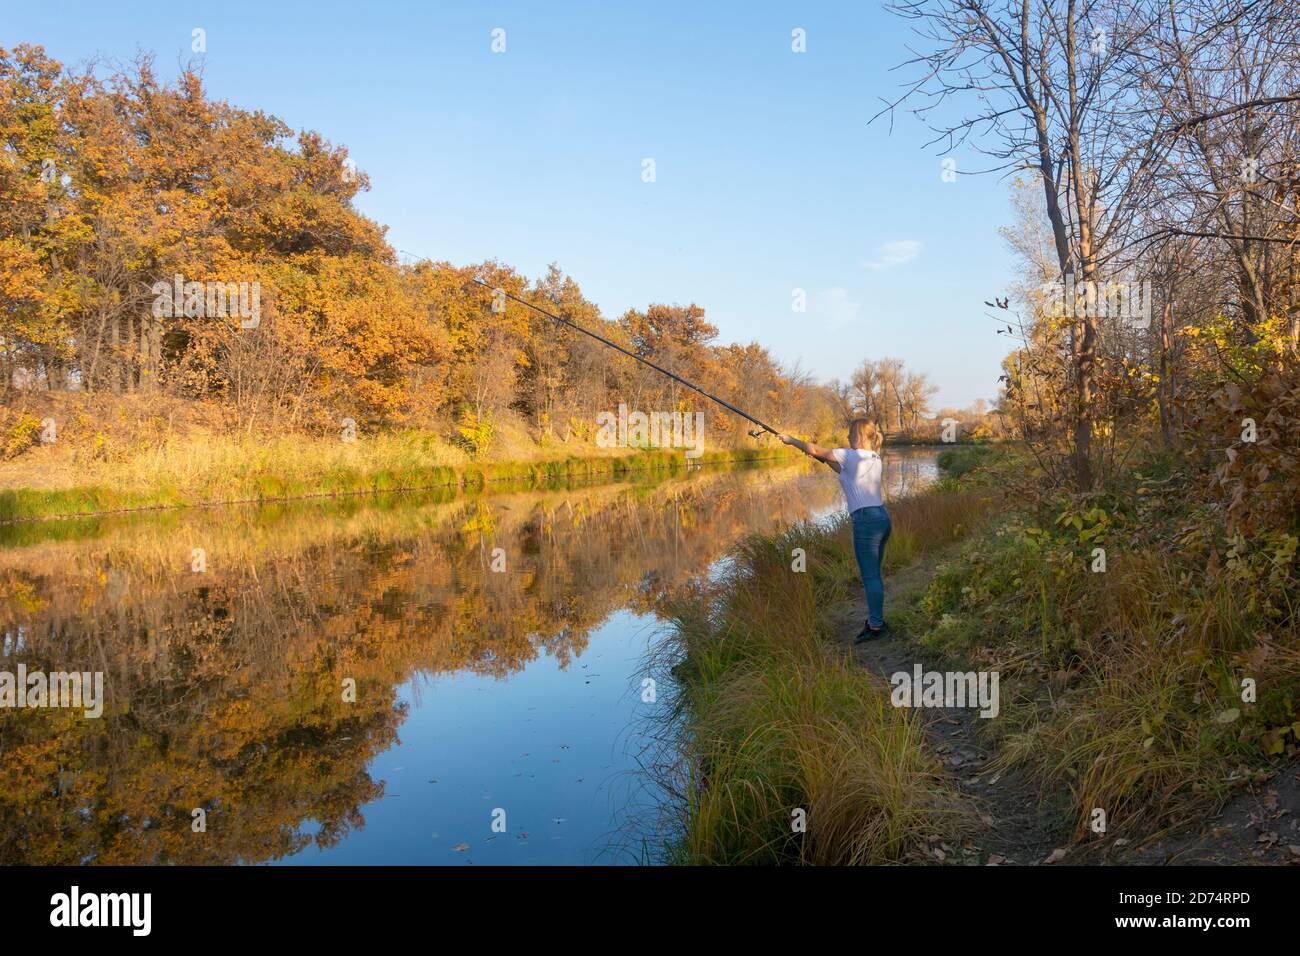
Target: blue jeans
point(870, 535)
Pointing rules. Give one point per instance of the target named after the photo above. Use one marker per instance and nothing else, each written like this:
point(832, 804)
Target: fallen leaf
point(1056, 856)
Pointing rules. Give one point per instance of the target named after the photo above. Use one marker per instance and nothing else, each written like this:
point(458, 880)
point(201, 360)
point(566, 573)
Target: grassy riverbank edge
point(1142, 696)
point(26, 504)
point(787, 751)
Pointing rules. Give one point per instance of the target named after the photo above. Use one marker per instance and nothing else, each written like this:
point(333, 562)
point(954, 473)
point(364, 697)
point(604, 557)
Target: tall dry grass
point(776, 722)
point(222, 468)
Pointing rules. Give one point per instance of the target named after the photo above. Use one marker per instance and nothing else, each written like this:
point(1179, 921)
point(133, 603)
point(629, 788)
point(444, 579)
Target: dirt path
point(1013, 822)
point(1010, 827)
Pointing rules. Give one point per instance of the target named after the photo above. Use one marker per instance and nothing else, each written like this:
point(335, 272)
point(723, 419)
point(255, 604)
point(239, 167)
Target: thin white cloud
point(836, 307)
point(896, 253)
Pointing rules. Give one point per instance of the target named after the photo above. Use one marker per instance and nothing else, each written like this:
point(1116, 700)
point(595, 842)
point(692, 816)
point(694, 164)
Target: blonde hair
point(864, 433)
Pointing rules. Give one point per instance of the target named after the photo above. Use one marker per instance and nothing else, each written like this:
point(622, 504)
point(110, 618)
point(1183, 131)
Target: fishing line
point(644, 361)
point(614, 345)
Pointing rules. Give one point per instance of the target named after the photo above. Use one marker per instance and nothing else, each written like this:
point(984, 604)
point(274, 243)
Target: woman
point(859, 469)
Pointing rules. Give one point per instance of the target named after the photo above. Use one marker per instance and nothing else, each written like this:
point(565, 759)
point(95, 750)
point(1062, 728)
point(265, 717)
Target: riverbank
point(64, 457)
point(1139, 694)
point(789, 754)
point(239, 472)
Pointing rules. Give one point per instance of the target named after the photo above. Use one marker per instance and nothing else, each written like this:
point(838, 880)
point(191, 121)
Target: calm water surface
point(365, 680)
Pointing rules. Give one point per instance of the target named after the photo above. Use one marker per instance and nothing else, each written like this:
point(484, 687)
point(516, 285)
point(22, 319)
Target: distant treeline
point(157, 241)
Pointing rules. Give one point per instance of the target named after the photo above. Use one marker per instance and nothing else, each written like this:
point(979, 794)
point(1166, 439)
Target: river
point(413, 678)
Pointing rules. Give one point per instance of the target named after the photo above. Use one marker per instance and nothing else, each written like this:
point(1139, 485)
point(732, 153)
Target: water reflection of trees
point(225, 688)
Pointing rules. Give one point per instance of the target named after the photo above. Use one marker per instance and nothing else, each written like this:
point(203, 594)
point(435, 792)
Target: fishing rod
point(644, 361)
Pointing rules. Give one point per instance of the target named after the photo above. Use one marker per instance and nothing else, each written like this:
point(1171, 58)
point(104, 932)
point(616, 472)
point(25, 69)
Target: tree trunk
point(1162, 387)
point(115, 378)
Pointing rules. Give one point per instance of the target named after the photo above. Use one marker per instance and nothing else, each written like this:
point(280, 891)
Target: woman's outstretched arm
point(808, 448)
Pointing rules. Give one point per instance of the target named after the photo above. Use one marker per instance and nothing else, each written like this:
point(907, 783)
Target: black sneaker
point(868, 633)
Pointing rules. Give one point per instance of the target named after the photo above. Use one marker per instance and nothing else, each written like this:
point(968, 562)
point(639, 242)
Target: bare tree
point(1080, 94)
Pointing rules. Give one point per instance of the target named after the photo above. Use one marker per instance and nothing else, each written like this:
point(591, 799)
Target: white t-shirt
point(859, 477)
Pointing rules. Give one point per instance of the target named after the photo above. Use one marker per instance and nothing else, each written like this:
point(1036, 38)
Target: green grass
point(1123, 688)
point(960, 460)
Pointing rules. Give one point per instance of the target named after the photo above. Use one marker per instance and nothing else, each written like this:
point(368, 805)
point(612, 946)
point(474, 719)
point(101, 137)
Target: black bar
point(936, 905)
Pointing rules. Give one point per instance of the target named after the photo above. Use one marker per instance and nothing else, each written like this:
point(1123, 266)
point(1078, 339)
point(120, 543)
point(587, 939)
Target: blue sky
point(767, 176)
